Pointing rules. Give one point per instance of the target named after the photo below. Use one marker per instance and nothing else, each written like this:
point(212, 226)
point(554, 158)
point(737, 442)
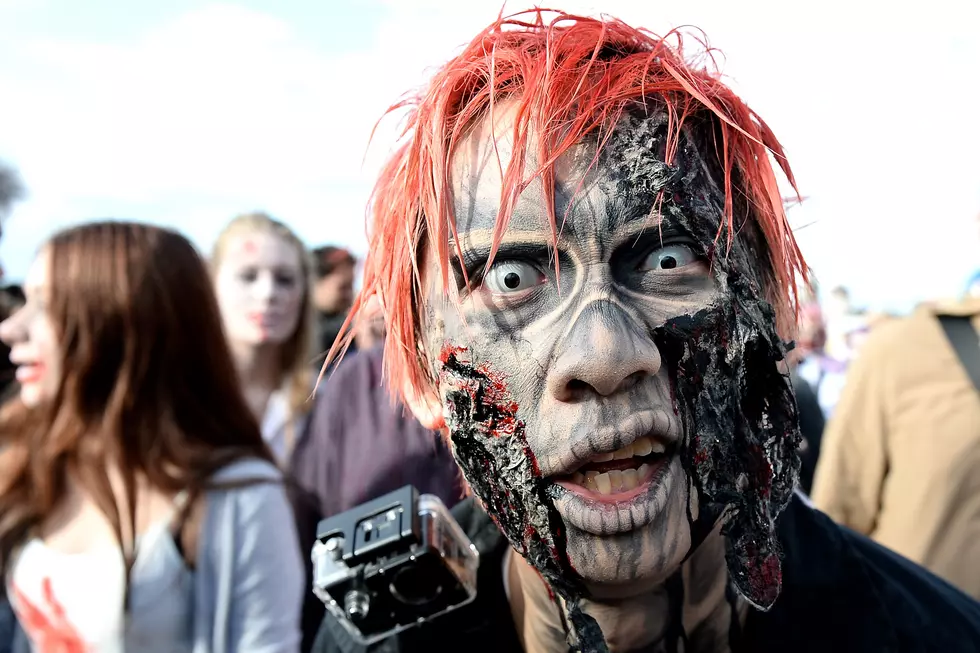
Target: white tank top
point(73, 602)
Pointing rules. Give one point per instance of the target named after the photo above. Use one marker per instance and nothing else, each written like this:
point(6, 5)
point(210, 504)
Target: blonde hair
point(296, 354)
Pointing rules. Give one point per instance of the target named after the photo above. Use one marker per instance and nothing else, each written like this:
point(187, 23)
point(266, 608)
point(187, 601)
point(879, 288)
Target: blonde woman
point(262, 277)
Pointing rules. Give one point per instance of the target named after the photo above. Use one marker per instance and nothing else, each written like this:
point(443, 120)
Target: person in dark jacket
point(812, 423)
point(364, 445)
point(588, 280)
point(333, 291)
point(842, 592)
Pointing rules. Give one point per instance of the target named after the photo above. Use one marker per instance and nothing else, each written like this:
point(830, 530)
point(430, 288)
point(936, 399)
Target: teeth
point(630, 479)
point(602, 484)
point(613, 481)
point(616, 480)
point(642, 447)
point(624, 453)
point(590, 482)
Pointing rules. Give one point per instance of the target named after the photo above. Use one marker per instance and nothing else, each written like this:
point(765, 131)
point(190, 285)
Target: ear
point(426, 407)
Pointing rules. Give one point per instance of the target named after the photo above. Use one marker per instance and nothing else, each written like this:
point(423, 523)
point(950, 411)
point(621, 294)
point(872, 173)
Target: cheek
point(290, 298)
point(289, 301)
point(48, 351)
point(232, 295)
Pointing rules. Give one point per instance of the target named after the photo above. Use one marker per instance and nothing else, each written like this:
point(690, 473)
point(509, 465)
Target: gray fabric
point(249, 578)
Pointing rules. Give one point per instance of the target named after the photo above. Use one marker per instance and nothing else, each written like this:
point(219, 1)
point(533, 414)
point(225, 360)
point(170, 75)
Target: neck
point(695, 600)
point(258, 366)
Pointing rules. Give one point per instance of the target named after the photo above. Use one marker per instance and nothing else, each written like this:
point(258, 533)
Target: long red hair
point(148, 386)
point(569, 77)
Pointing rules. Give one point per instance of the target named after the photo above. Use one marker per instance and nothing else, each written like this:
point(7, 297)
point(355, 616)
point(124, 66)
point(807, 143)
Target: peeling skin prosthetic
point(613, 412)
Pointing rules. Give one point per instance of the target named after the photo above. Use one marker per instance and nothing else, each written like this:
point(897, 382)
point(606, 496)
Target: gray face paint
point(742, 434)
point(644, 338)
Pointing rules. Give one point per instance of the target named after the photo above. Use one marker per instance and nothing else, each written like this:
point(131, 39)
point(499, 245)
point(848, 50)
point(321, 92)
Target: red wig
point(569, 77)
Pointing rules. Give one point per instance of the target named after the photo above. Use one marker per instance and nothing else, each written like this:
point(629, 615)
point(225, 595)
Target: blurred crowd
point(280, 306)
point(890, 414)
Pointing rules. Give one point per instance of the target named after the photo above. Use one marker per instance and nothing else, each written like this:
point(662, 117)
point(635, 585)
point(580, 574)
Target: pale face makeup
point(260, 285)
point(32, 338)
point(579, 365)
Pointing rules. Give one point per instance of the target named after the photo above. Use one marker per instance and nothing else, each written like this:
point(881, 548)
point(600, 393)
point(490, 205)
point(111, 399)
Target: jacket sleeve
point(854, 449)
point(256, 572)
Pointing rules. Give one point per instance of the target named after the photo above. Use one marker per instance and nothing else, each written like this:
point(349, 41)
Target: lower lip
point(262, 321)
point(652, 478)
point(29, 373)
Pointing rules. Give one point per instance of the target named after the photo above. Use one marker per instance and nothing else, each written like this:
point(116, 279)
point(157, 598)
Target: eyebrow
point(666, 227)
point(475, 256)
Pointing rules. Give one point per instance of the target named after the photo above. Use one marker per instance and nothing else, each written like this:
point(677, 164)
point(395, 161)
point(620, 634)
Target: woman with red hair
point(589, 283)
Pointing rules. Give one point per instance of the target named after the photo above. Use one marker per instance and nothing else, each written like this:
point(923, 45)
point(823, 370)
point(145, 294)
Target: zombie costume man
point(587, 278)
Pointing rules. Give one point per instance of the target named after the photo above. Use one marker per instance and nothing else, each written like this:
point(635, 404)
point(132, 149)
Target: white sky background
point(188, 112)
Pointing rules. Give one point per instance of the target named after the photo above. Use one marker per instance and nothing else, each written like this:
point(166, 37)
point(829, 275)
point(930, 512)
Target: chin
point(620, 547)
point(273, 340)
point(31, 395)
point(267, 339)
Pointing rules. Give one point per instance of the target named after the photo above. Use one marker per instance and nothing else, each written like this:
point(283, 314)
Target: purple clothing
point(358, 445)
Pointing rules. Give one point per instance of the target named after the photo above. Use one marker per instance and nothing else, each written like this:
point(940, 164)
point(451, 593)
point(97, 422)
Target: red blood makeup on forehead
point(249, 246)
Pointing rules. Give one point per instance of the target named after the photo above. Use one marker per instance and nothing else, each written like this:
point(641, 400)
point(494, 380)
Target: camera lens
point(413, 586)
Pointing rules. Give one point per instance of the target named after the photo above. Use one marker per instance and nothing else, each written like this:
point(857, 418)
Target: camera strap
point(965, 340)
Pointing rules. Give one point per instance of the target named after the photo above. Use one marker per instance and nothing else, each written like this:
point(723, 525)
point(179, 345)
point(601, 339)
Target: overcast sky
point(189, 112)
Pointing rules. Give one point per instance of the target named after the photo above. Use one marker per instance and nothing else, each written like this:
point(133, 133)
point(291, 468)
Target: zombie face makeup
point(260, 286)
point(607, 414)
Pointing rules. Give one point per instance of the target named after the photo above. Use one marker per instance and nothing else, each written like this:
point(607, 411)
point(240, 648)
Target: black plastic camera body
point(392, 563)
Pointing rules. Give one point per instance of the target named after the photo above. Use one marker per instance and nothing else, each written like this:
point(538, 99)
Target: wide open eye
point(669, 257)
point(506, 277)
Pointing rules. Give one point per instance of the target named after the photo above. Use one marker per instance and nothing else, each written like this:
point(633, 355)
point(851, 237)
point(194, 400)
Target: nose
point(10, 330)
point(604, 351)
point(264, 287)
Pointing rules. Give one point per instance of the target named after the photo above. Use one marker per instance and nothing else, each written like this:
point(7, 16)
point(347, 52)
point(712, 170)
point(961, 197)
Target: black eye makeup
point(657, 249)
point(514, 266)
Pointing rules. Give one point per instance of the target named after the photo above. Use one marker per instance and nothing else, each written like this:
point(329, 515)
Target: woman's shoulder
point(252, 483)
point(243, 470)
point(248, 491)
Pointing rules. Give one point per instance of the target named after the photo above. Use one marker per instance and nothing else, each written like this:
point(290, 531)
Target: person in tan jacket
point(900, 459)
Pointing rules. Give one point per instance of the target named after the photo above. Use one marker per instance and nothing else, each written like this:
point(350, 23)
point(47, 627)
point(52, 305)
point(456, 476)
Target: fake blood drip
point(491, 448)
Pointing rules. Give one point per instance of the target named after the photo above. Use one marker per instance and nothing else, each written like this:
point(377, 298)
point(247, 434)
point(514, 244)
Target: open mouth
point(621, 472)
